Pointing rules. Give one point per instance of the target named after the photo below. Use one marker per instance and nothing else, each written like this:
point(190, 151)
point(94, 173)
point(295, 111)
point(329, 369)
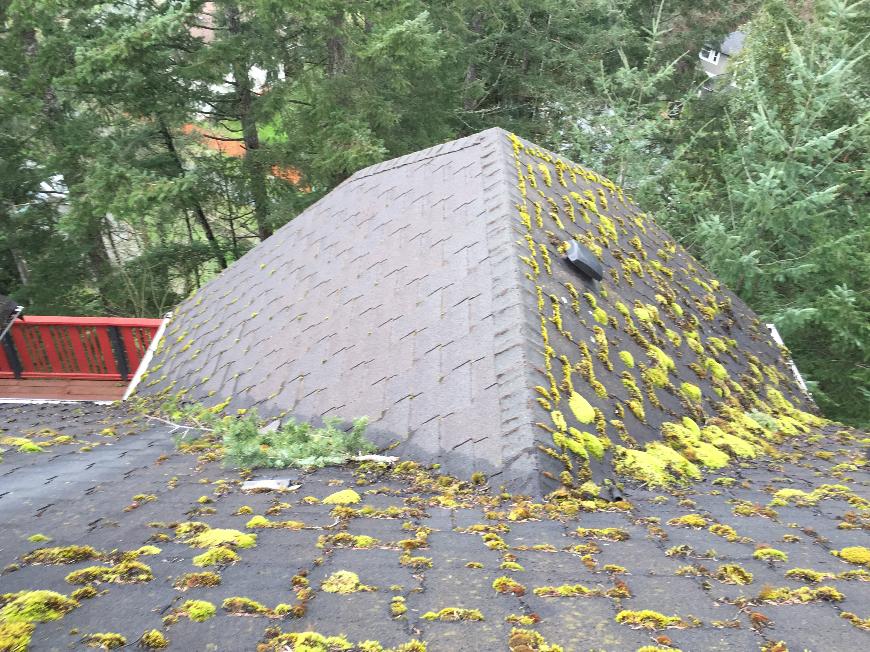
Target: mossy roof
point(635, 555)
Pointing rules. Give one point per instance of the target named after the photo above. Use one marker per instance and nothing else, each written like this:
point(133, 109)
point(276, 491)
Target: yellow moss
point(34, 607)
point(528, 640)
point(691, 392)
point(770, 554)
point(344, 497)
point(657, 465)
point(15, 637)
point(627, 359)
point(689, 520)
point(453, 614)
point(218, 556)
point(344, 582)
point(154, 640)
point(558, 420)
point(733, 574)
point(854, 555)
point(648, 619)
point(581, 408)
point(213, 537)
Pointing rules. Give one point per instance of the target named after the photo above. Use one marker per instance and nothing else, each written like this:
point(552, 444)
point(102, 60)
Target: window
point(710, 55)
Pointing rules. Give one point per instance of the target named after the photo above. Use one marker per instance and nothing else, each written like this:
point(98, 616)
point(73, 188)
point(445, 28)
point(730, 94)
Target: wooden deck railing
point(86, 348)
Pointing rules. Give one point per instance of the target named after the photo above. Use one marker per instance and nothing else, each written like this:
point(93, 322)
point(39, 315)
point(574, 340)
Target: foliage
point(118, 193)
point(293, 444)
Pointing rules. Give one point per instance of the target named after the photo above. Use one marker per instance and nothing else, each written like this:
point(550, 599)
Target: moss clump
point(259, 522)
point(198, 610)
point(344, 582)
point(38, 538)
point(154, 639)
point(854, 555)
point(244, 607)
point(860, 623)
point(808, 575)
point(733, 574)
point(34, 607)
point(15, 637)
point(505, 585)
point(770, 554)
point(657, 465)
point(691, 392)
point(564, 591)
point(648, 619)
point(801, 595)
point(689, 520)
point(197, 580)
point(453, 614)
point(627, 359)
point(398, 608)
point(344, 497)
point(345, 540)
point(61, 555)
point(84, 593)
point(528, 640)
point(581, 408)
point(218, 556)
point(128, 572)
point(212, 537)
point(105, 641)
point(607, 533)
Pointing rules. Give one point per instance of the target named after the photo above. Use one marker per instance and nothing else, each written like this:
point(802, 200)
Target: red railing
point(94, 348)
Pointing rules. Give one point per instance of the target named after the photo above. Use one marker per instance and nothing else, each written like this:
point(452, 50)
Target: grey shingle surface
point(402, 296)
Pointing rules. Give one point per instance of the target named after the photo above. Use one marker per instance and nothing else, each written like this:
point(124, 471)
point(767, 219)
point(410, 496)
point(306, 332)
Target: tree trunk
point(198, 212)
point(255, 168)
point(471, 73)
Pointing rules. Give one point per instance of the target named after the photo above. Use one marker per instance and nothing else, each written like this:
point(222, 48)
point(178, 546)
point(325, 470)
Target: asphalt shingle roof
point(431, 294)
point(119, 484)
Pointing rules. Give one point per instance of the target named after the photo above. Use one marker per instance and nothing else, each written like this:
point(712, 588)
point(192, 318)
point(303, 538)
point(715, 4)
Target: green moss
point(770, 554)
point(127, 572)
point(854, 555)
point(197, 580)
point(38, 538)
point(691, 392)
point(15, 637)
point(212, 537)
point(453, 614)
point(607, 533)
point(198, 610)
point(785, 595)
point(528, 640)
point(581, 408)
point(398, 607)
point(564, 591)
point(648, 619)
point(84, 593)
point(344, 582)
point(506, 585)
point(733, 574)
point(106, 641)
point(154, 639)
point(218, 556)
point(658, 465)
point(61, 555)
point(663, 359)
point(689, 520)
point(724, 531)
point(244, 607)
point(35, 607)
point(627, 359)
point(808, 575)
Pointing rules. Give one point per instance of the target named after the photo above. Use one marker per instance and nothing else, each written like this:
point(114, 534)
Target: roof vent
point(584, 261)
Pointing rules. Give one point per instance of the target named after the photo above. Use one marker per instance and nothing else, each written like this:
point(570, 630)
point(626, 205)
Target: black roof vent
point(584, 261)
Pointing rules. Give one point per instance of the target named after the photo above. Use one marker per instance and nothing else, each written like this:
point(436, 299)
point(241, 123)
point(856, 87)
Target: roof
point(690, 553)
point(733, 43)
point(432, 294)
